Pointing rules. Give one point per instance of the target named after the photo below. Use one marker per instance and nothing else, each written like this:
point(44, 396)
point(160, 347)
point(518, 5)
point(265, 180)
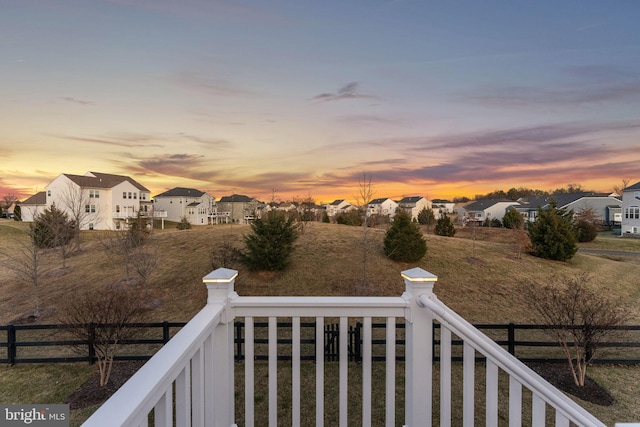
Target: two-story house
point(98, 201)
point(481, 210)
point(382, 206)
point(198, 207)
point(414, 205)
point(631, 210)
point(242, 209)
point(337, 207)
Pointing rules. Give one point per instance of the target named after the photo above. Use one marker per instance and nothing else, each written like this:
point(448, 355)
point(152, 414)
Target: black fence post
point(90, 341)
point(511, 338)
point(165, 331)
point(239, 356)
point(11, 344)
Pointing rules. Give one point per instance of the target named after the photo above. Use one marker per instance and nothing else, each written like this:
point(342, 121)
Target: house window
point(143, 196)
point(90, 208)
point(48, 193)
point(90, 226)
point(135, 195)
point(118, 225)
point(124, 194)
point(129, 195)
point(94, 194)
point(118, 208)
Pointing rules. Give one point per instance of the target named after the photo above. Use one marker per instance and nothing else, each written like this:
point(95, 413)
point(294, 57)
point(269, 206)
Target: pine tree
point(553, 235)
point(404, 241)
point(444, 227)
point(512, 219)
point(270, 243)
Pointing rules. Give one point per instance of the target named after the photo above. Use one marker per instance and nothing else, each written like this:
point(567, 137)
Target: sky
point(289, 99)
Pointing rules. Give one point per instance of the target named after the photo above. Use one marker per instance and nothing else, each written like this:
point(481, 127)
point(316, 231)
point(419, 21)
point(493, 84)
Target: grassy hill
point(327, 261)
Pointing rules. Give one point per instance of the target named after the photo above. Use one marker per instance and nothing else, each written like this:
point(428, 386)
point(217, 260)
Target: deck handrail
point(507, 362)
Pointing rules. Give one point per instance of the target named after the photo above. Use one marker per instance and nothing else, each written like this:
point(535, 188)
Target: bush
point(552, 234)
point(444, 227)
point(270, 243)
point(426, 217)
point(586, 231)
point(349, 218)
point(184, 224)
point(403, 241)
point(512, 219)
point(325, 218)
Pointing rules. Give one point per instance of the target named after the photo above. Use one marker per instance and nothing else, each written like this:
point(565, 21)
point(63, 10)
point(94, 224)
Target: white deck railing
point(190, 381)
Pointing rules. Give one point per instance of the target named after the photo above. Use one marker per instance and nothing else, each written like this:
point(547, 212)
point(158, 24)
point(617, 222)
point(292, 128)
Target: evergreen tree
point(552, 234)
point(403, 241)
point(512, 219)
point(444, 227)
point(52, 228)
point(270, 243)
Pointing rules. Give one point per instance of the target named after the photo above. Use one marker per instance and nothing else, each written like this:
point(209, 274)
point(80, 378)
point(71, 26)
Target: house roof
point(411, 199)
point(193, 204)
point(635, 186)
point(561, 199)
point(181, 192)
point(378, 201)
point(236, 198)
point(481, 205)
point(103, 180)
point(37, 199)
point(337, 202)
point(440, 201)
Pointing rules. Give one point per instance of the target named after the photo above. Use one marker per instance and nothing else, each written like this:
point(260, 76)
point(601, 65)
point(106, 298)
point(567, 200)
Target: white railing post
point(219, 377)
point(419, 350)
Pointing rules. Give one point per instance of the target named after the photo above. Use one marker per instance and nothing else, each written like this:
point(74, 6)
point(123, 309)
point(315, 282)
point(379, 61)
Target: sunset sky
point(297, 98)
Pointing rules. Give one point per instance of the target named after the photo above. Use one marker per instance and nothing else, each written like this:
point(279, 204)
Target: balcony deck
point(192, 380)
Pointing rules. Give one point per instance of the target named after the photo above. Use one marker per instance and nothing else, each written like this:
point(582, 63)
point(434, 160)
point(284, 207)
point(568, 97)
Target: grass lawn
point(327, 261)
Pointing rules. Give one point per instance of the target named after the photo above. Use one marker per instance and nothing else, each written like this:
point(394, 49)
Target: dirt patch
point(559, 375)
point(90, 393)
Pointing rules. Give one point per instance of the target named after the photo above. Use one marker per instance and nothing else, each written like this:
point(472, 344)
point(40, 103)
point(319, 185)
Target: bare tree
point(100, 319)
point(619, 187)
point(144, 260)
point(29, 262)
point(582, 318)
point(8, 199)
point(120, 245)
point(362, 198)
point(82, 209)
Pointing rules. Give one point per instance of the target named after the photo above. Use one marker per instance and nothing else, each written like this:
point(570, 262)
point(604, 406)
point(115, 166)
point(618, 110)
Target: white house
point(100, 201)
point(199, 207)
point(414, 204)
point(490, 209)
point(442, 205)
point(605, 207)
point(34, 205)
point(337, 207)
point(382, 206)
point(631, 210)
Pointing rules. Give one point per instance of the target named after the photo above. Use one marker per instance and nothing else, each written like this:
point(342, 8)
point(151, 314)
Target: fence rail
point(509, 336)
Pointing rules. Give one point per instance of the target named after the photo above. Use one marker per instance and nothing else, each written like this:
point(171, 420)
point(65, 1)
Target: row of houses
point(107, 201)
point(609, 209)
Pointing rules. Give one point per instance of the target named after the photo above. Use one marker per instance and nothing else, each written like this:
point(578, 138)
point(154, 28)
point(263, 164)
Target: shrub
point(53, 228)
point(270, 243)
point(184, 224)
point(426, 216)
point(512, 219)
point(403, 241)
point(552, 234)
point(586, 231)
point(349, 218)
point(444, 227)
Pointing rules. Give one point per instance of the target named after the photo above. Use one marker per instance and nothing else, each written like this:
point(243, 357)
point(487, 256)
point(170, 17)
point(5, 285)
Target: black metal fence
point(54, 343)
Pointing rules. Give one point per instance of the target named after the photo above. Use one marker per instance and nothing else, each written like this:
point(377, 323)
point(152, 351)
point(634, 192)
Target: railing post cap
point(417, 274)
point(221, 275)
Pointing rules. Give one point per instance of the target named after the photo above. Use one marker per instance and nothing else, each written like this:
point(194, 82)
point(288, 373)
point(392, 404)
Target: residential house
point(100, 201)
point(443, 206)
point(242, 209)
point(33, 206)
point(631, 210)
point(488, 209)
point(606, 207)
point(198, 207)
point(414, 205)
point(337, 207)
point(382, 206)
